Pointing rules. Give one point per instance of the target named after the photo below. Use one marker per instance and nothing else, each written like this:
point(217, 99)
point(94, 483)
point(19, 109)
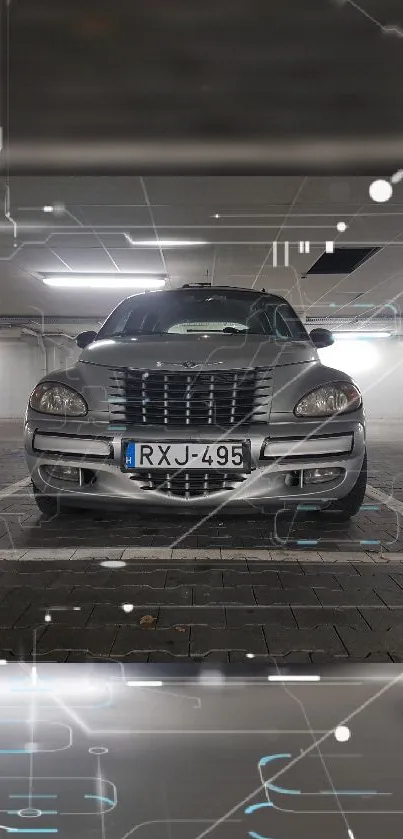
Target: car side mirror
point(321, 338)
point(85, 338)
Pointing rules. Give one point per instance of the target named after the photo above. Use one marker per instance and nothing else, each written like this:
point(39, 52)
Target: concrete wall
point(377, 367)
point(21, 365)
point(60, 353)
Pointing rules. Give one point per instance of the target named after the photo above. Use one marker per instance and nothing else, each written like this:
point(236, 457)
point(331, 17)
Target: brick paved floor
point(202, 610)
point(326, 592)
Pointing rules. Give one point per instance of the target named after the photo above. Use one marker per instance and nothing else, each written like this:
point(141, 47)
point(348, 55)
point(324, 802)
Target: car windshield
point(187, 312)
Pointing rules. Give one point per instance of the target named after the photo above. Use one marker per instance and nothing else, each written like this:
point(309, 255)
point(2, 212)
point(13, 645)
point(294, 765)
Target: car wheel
point(345, 508)
point(47, 504)
point(50, 505)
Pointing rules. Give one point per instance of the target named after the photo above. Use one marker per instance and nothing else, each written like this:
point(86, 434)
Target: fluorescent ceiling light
point(294, 678)
point(164, 243)
point(144, 684)
point(103, 281)
point(349, 335)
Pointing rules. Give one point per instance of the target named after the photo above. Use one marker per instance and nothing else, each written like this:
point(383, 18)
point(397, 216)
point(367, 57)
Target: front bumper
point(292, 448)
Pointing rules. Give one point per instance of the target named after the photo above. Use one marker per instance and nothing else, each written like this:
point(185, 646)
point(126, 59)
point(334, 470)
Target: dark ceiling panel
point(265, 80)
point(341, 261)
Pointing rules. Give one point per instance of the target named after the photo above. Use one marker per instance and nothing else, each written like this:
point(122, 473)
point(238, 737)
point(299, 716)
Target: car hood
point(222, 352)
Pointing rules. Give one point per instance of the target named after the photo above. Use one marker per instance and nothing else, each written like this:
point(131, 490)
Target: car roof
point(206, 287)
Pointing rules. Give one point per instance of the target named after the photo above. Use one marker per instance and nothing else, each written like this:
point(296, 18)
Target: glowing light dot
point(250, 655)
point(113, 563)
point(380, 191)
point(341, 226)
point(48, 208)
point(393, 30)
point(48, 618)
point(216, 215)
point(342, 733)
point(127, 607)
point(31, 747)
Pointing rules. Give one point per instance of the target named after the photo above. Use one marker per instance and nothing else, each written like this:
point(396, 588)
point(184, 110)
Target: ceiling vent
point(341, 261)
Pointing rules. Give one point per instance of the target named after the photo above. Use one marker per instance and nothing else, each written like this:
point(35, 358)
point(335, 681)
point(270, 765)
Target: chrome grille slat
point(143, 399)
point(223, 398)
point(188, 398)
point(187, 484)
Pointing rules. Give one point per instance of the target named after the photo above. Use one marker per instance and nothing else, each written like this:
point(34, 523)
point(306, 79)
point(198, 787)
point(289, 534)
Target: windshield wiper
point(132, 334)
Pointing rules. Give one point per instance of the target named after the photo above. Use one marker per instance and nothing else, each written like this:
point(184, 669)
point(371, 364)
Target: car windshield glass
point(210, 311)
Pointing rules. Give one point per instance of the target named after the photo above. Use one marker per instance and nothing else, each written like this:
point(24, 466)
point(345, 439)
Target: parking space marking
point(387, 500)
point(13, 488)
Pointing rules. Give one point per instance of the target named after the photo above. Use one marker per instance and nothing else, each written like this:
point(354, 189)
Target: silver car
point(199, 398)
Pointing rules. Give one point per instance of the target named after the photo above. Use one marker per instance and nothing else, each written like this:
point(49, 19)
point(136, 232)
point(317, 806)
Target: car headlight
point(53, 398)
point(324, 401)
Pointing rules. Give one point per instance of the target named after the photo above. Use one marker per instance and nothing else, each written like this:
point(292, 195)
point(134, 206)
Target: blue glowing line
point(307, 541)
point(32, 830)
point(268, 759)
point(101, 798)
point(307, 507)
point(32, 689)
point(350, 792)
point(11, 795)
point(283, 791)
point(254, 835)
point(370, 542)
point(370, 507)
point(254, 807)
point(43, 813)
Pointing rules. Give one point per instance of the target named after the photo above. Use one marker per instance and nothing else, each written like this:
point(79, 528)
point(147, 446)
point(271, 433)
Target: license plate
point(203, 456)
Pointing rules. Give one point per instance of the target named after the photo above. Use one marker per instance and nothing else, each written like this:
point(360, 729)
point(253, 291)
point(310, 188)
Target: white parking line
point(13, 488)
point(387, 500)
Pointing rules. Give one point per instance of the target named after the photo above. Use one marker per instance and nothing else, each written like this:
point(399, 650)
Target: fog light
point(320, 476)
point(293, 479)
point(64, 473)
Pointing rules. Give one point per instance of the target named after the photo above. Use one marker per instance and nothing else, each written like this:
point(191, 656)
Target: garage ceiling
point(140, 85)
point(88, 234)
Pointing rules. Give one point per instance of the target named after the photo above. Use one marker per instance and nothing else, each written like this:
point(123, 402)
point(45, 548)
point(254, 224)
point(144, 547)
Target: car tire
point(345, 508)
point(48, 505)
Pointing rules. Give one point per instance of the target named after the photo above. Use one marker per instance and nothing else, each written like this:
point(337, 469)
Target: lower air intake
point(188, 484)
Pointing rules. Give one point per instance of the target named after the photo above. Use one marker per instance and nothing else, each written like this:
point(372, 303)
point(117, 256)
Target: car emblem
point(189, 365)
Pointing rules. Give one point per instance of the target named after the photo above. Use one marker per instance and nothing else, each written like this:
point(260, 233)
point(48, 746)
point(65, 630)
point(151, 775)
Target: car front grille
point(223, 398)
point(188, 484)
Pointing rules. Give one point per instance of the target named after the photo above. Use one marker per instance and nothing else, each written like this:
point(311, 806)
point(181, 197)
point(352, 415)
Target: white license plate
point(205, 456)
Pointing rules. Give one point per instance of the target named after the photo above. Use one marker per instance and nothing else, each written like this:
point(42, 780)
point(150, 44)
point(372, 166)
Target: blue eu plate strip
point(130, 456)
